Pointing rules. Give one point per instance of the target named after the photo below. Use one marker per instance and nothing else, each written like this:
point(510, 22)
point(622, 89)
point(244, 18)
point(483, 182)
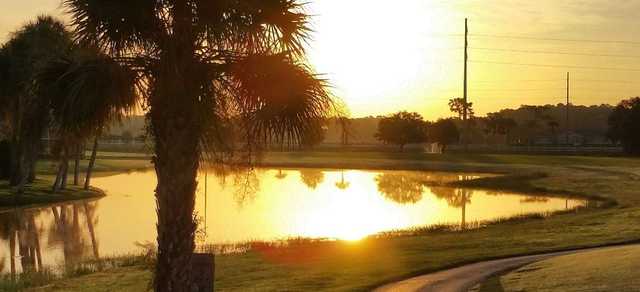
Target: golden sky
point(384, 56)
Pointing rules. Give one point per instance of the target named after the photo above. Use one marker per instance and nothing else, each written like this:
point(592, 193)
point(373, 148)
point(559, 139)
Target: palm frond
point(86, 94)
point(254, 26)
point(279, 99)
point(115, 25)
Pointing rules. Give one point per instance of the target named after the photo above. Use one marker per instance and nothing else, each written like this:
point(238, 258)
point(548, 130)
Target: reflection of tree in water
point(24, 235)
point(246, 185)
point(280, 174)
point(20, 229)
point(455, 197)
point(342, 184)
point(67, 231)
point(311, 177)
point(534, 199)
point(400, 188)
point(244, 181)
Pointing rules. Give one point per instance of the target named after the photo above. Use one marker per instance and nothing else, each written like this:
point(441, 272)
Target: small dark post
point(203, 269)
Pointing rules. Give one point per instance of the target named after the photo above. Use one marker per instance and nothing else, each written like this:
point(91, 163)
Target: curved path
point(466, 277)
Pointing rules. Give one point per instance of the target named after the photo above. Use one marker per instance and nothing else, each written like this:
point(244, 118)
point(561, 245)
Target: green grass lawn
point(40, 193)
point(614, 269)
point(348, 266)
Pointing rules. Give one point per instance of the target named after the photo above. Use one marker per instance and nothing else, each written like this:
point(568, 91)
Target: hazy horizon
point(383, 56)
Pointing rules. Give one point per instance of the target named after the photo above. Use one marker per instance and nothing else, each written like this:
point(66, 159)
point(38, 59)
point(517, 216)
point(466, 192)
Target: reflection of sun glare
point(350, 214)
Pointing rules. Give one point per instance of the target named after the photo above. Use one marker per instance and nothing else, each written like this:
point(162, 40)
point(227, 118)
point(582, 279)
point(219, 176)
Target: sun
point(379, 59)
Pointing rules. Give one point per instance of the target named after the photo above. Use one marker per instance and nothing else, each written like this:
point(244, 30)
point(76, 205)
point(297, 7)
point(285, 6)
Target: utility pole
point(465, 111)
point(567, 111)
point(205, 203)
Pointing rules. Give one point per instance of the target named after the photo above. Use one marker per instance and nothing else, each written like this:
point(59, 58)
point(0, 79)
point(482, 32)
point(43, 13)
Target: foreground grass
point(612, 269)
point(348, 266)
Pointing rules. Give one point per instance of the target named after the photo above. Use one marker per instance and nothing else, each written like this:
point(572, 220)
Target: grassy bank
point(39, 192)
point(348, 266)
point(612, 269)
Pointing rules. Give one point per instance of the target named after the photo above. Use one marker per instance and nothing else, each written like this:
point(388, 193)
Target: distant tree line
point(624, 125)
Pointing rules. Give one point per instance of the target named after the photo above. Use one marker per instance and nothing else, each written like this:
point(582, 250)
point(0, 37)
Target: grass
point(102, 167)
point(613, 269)
point(349, 266)
point(40, 193)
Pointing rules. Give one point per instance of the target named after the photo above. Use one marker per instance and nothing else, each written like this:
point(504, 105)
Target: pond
point(265, 204)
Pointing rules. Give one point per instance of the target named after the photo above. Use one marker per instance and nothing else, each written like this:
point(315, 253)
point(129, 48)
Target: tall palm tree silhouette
point(205, 64)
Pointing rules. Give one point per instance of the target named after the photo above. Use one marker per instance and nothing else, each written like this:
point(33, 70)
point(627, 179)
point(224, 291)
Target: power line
point(558, 66)
point(515, 89)
point(520, 80)
point(556, 53)
point(558, 39)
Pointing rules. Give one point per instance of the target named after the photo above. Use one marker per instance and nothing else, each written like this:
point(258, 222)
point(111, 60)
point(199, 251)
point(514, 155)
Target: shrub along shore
point(347, 266)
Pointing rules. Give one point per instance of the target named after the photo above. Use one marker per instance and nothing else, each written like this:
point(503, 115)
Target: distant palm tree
point(87, 91)
point(23, 56)
point(205, 64)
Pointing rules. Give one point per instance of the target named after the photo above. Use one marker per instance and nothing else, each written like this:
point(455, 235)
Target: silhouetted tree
point(346, 130)
point(88, 90)
point(402, 128)
point(457, 104)
point(444, 132)
point(498, 124)
point(314, 135)
point(28, 50)
point(206, 63)
point(624, 125)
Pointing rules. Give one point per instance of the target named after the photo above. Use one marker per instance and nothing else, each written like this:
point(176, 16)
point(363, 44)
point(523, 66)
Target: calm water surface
point(268, 204)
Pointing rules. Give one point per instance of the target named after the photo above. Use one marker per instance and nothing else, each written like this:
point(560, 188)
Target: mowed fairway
point(609, 269)
point(362, 265)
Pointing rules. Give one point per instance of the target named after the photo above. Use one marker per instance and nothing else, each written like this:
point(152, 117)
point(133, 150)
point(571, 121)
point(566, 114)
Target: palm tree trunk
point(76, 165)
point(65, 172)
point(61, 177)
point(56, 183)
point(176, 166)
point(92, 161)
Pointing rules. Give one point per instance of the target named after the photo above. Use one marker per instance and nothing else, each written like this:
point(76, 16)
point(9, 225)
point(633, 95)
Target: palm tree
point(205, 64)
point(87, 91)
point(24, 55)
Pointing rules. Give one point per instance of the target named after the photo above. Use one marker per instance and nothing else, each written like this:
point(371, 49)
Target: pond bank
point(39, 193)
